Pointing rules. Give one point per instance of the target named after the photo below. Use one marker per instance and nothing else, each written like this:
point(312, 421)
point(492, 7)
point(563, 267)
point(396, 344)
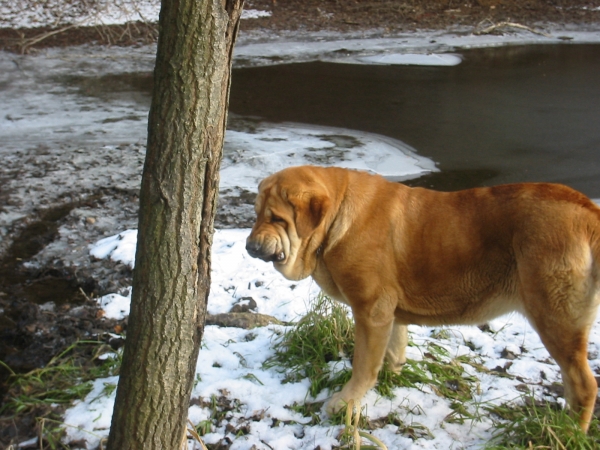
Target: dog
point(399, 255)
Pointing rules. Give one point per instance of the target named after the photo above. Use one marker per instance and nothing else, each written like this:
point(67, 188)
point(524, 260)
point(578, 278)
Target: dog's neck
point(323, 278)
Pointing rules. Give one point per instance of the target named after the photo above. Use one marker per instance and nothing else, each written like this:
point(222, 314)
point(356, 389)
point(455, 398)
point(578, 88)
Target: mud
point(38, 285)
point(373, 18)
point(47, 306)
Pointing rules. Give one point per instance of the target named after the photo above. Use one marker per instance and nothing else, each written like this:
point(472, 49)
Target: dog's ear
point(309, 213)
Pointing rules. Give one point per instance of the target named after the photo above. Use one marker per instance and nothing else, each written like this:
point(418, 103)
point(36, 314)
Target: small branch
point(353, 412)
point(84, 294)
point(195, 435)
point(26, 43)
point(494, 27)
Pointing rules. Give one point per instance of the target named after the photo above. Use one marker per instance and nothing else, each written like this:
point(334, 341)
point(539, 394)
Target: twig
point(84, 294)
point(267, 444)
point(352, 428)
point(41, 433)
point(496, 26)
point(29, 42)
point(195, 435)
point(553, 434)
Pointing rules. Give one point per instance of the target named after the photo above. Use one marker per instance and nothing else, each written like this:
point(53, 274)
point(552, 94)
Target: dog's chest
point(323, 278)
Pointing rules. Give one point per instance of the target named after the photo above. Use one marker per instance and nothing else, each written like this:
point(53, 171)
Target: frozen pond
point(507, 114)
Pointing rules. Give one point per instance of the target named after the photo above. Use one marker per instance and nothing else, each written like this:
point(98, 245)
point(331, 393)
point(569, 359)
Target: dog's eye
point(275, 219)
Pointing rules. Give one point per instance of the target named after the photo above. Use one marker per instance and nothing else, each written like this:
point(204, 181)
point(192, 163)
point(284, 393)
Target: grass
point(445, 375)
point(536, 425)
point(320, 345)
point(43, 393)
point(311, 348)
point(67, 377)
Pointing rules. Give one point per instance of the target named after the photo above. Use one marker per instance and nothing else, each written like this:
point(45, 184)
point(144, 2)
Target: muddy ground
point(34, 269)
point(371, 17)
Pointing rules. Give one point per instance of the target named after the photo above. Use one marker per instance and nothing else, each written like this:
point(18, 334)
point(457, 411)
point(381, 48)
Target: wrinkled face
point(287, 215)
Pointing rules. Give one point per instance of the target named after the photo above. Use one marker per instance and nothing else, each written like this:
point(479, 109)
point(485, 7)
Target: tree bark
point(178, 198)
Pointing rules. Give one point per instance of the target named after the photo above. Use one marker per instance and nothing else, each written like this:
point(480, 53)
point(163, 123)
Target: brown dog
point(402, 256)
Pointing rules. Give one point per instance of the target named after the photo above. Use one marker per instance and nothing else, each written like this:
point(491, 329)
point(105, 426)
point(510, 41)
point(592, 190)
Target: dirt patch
point(44, 309)
point(368, 17)
point(392, 15)
point(47, 300)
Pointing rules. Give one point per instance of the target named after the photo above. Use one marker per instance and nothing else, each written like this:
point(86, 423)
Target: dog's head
point(291, 208)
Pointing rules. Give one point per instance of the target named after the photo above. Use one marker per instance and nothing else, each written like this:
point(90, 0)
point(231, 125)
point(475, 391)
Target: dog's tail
point(594, 228)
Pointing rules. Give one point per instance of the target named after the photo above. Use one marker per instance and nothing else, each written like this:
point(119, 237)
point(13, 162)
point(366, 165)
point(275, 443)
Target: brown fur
point(402, 256)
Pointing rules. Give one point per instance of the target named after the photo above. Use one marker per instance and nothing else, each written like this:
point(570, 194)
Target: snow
point(230, 365)
point(60, 13)
point(430, 59)
point(254, 14)
point(250, 157)
point(230, 362)
point(115, 306)
point(120, 247)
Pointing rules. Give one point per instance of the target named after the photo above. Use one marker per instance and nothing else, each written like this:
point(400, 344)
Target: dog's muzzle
point(256, 250)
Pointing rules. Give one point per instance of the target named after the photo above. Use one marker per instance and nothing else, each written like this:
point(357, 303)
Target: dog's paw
point(396, 367)
point(336, 403)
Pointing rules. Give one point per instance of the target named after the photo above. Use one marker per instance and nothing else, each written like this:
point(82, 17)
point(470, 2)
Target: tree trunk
point(178, 197)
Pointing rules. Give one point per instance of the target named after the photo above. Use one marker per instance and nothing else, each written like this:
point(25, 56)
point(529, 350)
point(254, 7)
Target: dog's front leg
point(371, 341)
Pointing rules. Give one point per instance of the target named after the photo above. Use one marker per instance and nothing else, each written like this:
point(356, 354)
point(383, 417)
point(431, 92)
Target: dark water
point(527, 113)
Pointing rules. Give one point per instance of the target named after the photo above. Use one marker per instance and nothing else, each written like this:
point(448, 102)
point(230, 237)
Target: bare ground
point(369, 17)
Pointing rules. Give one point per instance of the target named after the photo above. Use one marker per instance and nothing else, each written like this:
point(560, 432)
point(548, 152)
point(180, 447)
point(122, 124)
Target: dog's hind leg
point(561, 305)
point(568, 347)
point(395, 354)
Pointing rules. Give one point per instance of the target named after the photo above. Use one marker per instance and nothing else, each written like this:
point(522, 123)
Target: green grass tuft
point(325, 335)
point(446, 376)
point(42, 394)
point(311, 348)
point(536, 425)
point(67, 377)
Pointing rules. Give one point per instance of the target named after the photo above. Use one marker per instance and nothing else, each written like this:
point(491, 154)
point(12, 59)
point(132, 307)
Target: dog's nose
point(253, 248)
